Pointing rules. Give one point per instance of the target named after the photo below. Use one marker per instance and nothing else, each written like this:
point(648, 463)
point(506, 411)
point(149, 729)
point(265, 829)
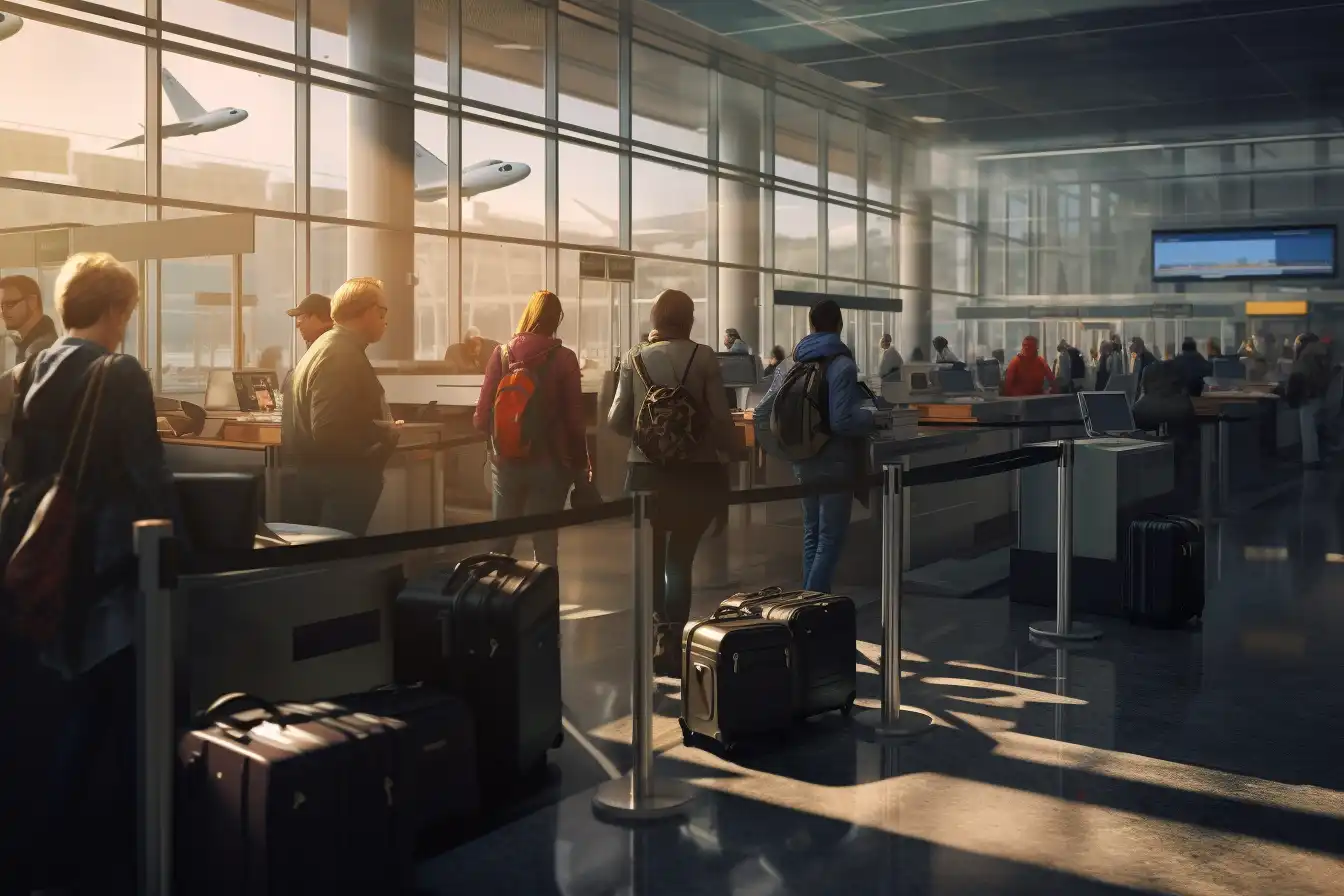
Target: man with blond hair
point(339, 429)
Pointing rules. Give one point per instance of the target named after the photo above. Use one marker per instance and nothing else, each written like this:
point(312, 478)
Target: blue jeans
point(524, 488)
point(825, 520)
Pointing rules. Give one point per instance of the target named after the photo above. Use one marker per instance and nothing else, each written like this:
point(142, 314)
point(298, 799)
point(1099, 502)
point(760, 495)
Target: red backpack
point(519, 420)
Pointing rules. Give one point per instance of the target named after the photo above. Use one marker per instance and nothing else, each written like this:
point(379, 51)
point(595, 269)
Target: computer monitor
point(919, 382)
point(739, 370)
point(989, 374)
point(1228, 369)
point(1106, 413)
point(220, 394)
point(258, 391)
point(956, 380)
point(220, 511)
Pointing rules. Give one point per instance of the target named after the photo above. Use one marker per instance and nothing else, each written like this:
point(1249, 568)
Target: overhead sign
point(794, 298)
point(1175, 311)
point(601, 266)
point(1052, 312)
point(1276, 309)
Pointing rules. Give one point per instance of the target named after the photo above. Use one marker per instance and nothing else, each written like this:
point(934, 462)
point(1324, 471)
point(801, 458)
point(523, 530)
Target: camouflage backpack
point(667, 427)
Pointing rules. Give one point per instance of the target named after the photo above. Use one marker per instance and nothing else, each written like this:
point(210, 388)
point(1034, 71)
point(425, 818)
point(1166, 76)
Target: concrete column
point(740, 218)
point(916, 244)
point(381, 174)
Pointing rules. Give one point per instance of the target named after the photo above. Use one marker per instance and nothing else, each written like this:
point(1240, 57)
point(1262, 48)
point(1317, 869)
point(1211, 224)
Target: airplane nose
point(520, 170)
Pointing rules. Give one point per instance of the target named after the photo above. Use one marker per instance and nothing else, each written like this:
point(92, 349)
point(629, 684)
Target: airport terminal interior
point(1123, 180)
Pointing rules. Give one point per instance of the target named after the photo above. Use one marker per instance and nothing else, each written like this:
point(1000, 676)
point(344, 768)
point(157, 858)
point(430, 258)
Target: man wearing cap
point(312, 318)
point(732, 341)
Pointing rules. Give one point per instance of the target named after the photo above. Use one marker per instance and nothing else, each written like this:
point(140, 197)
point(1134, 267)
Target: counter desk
point(413, 483)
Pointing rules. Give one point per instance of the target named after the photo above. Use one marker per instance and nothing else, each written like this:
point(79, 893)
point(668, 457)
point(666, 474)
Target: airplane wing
point(134, 141)
point(429, 168)
point(184, 104)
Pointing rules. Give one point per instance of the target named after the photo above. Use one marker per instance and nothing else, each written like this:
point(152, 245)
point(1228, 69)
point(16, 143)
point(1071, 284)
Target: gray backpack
point(799, 419)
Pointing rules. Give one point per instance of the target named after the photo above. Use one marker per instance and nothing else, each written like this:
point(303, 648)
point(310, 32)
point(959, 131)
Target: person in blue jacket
point(844, 456)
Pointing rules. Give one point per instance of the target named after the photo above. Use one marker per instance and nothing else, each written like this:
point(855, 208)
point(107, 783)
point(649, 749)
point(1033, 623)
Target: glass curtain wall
point(464, 152)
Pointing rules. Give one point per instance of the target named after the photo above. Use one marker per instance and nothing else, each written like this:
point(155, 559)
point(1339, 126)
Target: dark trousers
point(342, 498)
point(78, 830)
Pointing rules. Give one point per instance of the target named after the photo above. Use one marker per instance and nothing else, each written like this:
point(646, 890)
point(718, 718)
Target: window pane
point(268, 292)
point(248, 159)
point(196, 335)
point(670, 101)
point(588, 76)
point(795, 141)
point(74, 95)
point(795, 233)
point(881, 253)
point(590, 199)
point(433, 305)
point(842, 156)
point(273, 28)
point(510, 199)
point(879, 167)
point(843, 244)
point(670, 209)
point(504, 54)
point(497, 281)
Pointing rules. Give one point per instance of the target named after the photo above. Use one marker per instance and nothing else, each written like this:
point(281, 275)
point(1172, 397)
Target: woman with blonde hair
point(77, 394)
point(531, 406)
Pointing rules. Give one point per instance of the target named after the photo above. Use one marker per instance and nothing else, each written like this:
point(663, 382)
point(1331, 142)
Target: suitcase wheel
point(848, 709)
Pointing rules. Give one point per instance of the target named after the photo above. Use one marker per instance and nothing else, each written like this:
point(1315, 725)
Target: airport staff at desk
point(343, 434)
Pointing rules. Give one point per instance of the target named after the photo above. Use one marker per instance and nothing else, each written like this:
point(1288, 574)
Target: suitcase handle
point(490, 558)
point(731, 613)
point(215, 713)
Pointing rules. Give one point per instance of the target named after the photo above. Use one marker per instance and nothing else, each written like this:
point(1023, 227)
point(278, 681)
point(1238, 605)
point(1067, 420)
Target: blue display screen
point(1249, 254)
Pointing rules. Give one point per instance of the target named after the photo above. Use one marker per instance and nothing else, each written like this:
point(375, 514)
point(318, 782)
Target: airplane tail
point(610, 223)
point(184, 104)
point(429, 168)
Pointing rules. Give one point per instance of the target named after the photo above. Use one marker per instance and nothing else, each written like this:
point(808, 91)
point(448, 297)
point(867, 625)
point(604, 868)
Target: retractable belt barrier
point(639, 796)
point(183, 562)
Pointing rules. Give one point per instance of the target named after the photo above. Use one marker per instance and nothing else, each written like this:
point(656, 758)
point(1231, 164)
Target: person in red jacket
point(538, 447)
point(1028, 373)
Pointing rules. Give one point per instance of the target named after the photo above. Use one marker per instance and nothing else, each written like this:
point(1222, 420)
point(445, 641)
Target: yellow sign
point(1276, 309)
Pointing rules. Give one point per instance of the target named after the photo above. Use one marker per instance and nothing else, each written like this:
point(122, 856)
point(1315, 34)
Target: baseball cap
point(313, 303)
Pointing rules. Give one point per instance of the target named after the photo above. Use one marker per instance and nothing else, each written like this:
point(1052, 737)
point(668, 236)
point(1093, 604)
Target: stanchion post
point(639, 796)
point(1206, 460)
point(1224, 466)
point(272, 482)
point(1062, 628)
point(154, 715)
point(893, 719)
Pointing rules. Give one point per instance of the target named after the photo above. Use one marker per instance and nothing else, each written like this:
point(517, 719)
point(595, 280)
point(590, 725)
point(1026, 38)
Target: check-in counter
point(1271, 430)
point(1114, 482)
point(413, 481)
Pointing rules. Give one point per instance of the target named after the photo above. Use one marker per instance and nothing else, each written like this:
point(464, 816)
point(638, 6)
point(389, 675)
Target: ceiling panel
point(1037, 71)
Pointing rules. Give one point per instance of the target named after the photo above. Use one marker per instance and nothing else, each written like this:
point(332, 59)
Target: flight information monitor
point(1253, 253)
point(257, 390)
point(1106, 413)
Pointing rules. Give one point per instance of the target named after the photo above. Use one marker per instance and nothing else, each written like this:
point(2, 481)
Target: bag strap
point(687, 372)
point(86, 423)
point(643, 371)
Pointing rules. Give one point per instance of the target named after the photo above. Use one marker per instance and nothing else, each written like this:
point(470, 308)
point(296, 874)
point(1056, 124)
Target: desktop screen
point(1247, 254)
point(988, 373)
point(257, 390)
point(1106, 411)
point(953, 380)
point(739, 369)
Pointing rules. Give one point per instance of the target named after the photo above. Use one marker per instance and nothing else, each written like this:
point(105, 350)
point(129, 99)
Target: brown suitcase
point(290, 799)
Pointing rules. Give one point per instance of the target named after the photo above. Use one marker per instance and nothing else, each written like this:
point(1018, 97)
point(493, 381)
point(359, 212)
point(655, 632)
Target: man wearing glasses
point(21, 308)
point(340, 434)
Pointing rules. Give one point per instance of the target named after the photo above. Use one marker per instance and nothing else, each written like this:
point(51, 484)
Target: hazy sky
point(90, 89)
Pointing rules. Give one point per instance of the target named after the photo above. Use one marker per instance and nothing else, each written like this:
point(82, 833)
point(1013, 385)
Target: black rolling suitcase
point(824, 634)
point(1164, 571)
point(736, 678)
point(277, 800)
point(436, 741)
point(489, 631)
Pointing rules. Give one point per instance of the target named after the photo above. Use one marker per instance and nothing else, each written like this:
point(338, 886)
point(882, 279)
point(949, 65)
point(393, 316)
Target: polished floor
point(1201, 761)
